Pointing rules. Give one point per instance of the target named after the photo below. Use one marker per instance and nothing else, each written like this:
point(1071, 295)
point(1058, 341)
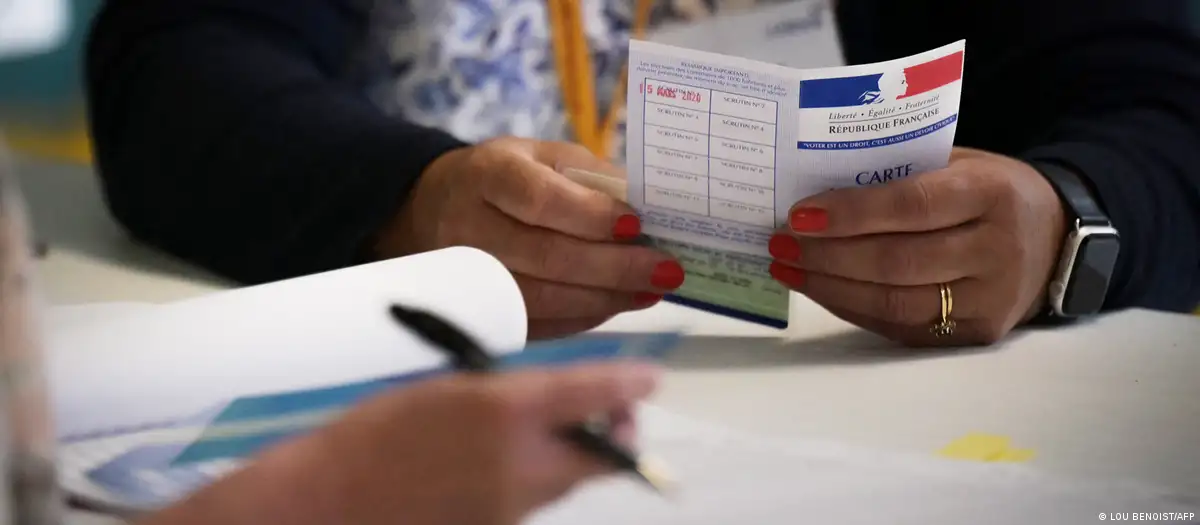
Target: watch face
point(1088, 284)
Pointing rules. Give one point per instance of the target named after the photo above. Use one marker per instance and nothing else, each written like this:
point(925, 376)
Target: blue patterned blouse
point(485, 68)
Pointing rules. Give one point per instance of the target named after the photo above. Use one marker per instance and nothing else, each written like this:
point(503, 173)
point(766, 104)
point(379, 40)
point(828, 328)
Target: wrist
point(1054, 223)
point(399, 236)
point(1085, 246)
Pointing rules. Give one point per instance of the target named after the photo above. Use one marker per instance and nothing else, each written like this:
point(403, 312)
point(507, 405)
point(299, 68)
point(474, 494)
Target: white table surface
point(1116, 398)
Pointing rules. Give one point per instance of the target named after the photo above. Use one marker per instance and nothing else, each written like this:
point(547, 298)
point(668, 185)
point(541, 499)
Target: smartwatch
point(1089, 253)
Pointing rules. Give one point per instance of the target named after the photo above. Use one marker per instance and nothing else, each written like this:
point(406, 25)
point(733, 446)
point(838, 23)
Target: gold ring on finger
point(945, 327)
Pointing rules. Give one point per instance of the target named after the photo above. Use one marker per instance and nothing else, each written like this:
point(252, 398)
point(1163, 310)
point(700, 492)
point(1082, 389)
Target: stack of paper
point(154, 402)
point(142, 469)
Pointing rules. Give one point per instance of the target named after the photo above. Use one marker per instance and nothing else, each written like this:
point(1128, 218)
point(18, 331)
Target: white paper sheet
point(73, 316)
point(729, 478)
point(184, 358)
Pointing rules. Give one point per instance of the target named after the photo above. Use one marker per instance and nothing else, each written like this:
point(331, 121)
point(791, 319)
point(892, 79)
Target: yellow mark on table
point(985, 447)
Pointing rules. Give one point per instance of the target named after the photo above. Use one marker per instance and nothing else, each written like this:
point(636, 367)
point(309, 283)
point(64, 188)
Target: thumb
point(563, 156)
point(580, 166)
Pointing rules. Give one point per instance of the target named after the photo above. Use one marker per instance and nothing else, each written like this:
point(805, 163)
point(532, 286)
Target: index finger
point(534, 193)
point(931, 201)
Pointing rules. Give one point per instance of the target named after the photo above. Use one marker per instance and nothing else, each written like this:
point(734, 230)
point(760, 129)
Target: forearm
point(226, 139)
point(1153, 200)
point(1126, 117)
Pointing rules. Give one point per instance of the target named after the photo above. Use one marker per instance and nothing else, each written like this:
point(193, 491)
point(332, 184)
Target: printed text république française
point(897, 122)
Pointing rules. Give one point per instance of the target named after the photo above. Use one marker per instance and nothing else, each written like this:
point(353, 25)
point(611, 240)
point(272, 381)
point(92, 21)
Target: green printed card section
point(730, 281)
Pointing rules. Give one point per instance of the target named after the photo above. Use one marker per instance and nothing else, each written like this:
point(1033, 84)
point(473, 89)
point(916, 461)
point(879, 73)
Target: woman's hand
point(567, 245)
point(989, 226)
point(485, 450)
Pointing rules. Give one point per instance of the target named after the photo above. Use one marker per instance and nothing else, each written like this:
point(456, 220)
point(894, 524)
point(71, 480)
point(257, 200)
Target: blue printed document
point(153, 466)
point(720, 148)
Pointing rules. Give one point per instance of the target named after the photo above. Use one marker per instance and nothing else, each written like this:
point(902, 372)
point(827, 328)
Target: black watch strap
point(1075, 194)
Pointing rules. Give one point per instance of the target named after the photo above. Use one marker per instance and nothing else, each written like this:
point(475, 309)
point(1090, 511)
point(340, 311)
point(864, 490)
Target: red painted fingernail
point(628, 227)
point(792, 277)
point(785, 248)
point(667, 275)
point(644, 299)
point(809, 220)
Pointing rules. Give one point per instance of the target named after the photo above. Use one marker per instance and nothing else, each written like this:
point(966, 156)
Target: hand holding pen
point(589, 435)
point(458, 448)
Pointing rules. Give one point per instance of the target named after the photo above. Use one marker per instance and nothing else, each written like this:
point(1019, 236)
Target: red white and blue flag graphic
point(884, 87)
point(899, 104)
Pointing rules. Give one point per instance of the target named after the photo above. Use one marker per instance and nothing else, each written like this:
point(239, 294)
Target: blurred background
point(41, 102)
point(43, 120)
point(41, 97)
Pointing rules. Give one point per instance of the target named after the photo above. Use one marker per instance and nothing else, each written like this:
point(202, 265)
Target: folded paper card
point(720, 148)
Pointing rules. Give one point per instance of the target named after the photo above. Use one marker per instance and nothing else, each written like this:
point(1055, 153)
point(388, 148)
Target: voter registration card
point(719, 148)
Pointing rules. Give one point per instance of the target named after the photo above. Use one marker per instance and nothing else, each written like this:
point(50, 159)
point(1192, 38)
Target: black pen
point(467, 355)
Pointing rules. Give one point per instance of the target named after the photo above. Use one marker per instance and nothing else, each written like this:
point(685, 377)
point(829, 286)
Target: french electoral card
point(719, 149)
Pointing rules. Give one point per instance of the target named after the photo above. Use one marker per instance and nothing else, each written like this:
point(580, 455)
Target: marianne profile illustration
point(893, 85)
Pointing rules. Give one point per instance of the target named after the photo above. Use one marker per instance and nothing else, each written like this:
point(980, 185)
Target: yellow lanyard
point(573, 60)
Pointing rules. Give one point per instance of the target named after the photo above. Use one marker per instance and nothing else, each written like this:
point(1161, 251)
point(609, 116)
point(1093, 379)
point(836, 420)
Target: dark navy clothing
point(239, 134)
